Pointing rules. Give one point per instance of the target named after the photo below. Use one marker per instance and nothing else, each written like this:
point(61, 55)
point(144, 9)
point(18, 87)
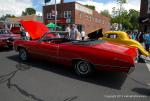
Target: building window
point(80, 15)
point(96, 20)
point(103, 22)
point(67, 14)
point(87, 17)
point(49, 15)
point(99, 20)
point(90, 18)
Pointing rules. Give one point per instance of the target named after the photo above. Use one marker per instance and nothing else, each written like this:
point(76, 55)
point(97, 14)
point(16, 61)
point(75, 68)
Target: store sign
point(83, 9)
point(60, 20)
point(148, 9)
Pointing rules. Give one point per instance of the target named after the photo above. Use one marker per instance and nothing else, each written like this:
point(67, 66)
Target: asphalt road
point(42, 81)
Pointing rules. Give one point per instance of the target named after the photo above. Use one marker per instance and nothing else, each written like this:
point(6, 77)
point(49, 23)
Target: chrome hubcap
point(83, 67)
point(23, 55)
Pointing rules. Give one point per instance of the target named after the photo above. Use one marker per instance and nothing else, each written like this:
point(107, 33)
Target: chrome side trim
point(110, 66)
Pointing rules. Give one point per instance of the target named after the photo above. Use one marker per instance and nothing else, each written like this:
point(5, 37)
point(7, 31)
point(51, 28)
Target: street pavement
point(43, 81)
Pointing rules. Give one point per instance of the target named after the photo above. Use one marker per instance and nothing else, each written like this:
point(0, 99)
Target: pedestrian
point(74, 33)
point(139, 37)
point(146, 38)
point(83, 34)
point(68, 29)
point(24, 34)
point(133, 36)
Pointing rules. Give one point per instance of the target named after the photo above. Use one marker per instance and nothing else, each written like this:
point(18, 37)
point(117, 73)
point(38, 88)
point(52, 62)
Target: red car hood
point(34, 28)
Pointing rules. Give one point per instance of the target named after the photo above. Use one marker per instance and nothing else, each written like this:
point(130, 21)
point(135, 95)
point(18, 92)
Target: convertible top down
point(84, 56)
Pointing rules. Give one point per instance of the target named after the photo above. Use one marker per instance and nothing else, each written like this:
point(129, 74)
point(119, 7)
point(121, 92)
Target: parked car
point(123, 38)
point(83, 56)
point(16, 28)
point(7, 38)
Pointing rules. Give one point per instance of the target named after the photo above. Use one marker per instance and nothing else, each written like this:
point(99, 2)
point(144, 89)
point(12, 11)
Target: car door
point(48, 50)
point(44, 50)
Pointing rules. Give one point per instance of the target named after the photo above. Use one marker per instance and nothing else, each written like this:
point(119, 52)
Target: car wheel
point(23, 55)
point(83, 68)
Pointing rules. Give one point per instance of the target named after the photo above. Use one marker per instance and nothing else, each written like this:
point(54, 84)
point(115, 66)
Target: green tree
point(28, 11)
point(3, 17)
point(106, 13)
point(129, 19)
point(134, 18)
point(90, 6)
point(120, 10)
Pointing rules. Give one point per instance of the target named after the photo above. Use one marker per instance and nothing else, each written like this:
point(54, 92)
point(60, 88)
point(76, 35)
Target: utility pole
point(55, 15)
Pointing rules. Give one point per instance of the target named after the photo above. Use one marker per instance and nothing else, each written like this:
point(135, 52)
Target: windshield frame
point(65, 33)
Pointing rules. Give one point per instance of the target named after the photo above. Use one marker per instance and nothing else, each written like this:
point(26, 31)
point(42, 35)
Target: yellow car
point(123, 38)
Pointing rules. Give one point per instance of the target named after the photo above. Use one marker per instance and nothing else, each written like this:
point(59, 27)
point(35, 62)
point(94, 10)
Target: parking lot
point(43, 81)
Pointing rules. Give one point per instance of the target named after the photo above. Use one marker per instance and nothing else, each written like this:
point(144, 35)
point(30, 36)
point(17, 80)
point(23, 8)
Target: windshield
point(55, 36)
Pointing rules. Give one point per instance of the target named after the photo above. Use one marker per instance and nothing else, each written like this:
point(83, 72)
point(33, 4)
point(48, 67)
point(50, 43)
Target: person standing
point(24, 34)
point(146, 38)
point(82, 34)
point(133, 36)
point(74, 33)
point(140, 38)
point(68, 29)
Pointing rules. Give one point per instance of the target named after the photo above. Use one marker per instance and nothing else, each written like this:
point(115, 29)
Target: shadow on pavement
point(142, 91)
point(108, 79)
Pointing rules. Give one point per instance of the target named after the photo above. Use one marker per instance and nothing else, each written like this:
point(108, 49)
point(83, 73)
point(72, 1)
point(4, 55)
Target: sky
point(15, 7)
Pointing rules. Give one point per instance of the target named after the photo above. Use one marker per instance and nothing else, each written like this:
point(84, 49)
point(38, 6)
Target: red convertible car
point(7, 38)
point(83, 56)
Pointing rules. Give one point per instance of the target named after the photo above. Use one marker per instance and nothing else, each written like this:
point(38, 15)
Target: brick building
point(145, 16)
point(76, 13)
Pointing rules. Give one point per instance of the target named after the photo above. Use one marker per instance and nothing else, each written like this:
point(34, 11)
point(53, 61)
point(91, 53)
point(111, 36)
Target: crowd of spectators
point(142, 37)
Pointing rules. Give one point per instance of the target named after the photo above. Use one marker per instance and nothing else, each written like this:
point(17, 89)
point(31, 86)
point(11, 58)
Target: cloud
point(131, 4)
point(14, 7)
point(134, 4)
point(39, 13)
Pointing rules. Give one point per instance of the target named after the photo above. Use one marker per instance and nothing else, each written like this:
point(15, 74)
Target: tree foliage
point(121, 1)
point(128, 19)
point(90, 6)
point(28, 11)
point(3, 17)
point(106, 13)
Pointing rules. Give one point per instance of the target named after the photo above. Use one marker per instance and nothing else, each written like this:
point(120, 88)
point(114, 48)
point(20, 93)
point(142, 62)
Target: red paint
point(34, 28)
point(104, 56)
